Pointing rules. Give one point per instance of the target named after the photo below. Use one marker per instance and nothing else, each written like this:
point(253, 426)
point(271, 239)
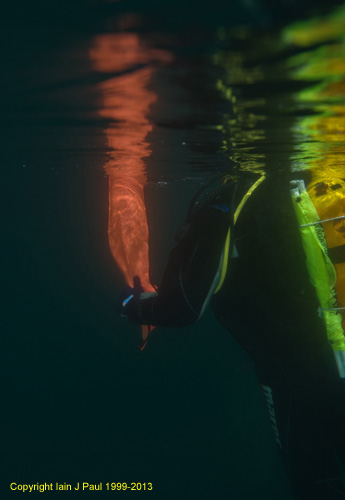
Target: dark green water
point(82, 403)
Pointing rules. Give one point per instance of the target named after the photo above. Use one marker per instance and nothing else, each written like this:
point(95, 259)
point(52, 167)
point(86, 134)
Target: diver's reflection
point(126, 101)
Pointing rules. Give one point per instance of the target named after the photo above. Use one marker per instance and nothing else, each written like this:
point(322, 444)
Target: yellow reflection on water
point(254, 129)
point(323, 62)
point(320, 135)
point(242, 126)
point(317, 30)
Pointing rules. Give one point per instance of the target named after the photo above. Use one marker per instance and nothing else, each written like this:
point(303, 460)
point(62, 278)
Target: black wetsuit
point(192, 272)
point(269, 305)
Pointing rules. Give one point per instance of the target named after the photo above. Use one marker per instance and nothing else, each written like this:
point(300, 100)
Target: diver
point(197, 265)
point(269, 308)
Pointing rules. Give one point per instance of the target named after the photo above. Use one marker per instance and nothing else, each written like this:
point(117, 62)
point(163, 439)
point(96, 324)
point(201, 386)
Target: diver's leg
point(270, 310)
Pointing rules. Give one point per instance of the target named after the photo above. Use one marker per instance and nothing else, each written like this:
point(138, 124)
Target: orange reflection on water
point(126, 102)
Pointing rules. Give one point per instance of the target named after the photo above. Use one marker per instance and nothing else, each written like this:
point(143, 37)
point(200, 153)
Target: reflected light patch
point(126, 102)
point(320, 135)
point(317, 30)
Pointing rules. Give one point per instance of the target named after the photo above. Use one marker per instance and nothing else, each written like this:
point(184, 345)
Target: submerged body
point(293, 358)
point(197, 266)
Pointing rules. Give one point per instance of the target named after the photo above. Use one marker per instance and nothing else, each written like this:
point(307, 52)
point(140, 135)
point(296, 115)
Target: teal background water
point(81, 402)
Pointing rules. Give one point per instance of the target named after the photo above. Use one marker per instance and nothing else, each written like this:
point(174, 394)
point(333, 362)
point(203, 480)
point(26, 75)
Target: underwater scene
point(174, 249)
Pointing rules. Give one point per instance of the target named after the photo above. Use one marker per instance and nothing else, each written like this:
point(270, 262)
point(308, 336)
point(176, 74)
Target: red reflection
point(126, 103)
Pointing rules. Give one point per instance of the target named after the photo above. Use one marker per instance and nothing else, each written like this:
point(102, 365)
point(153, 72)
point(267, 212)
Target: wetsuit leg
point(269, 306)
